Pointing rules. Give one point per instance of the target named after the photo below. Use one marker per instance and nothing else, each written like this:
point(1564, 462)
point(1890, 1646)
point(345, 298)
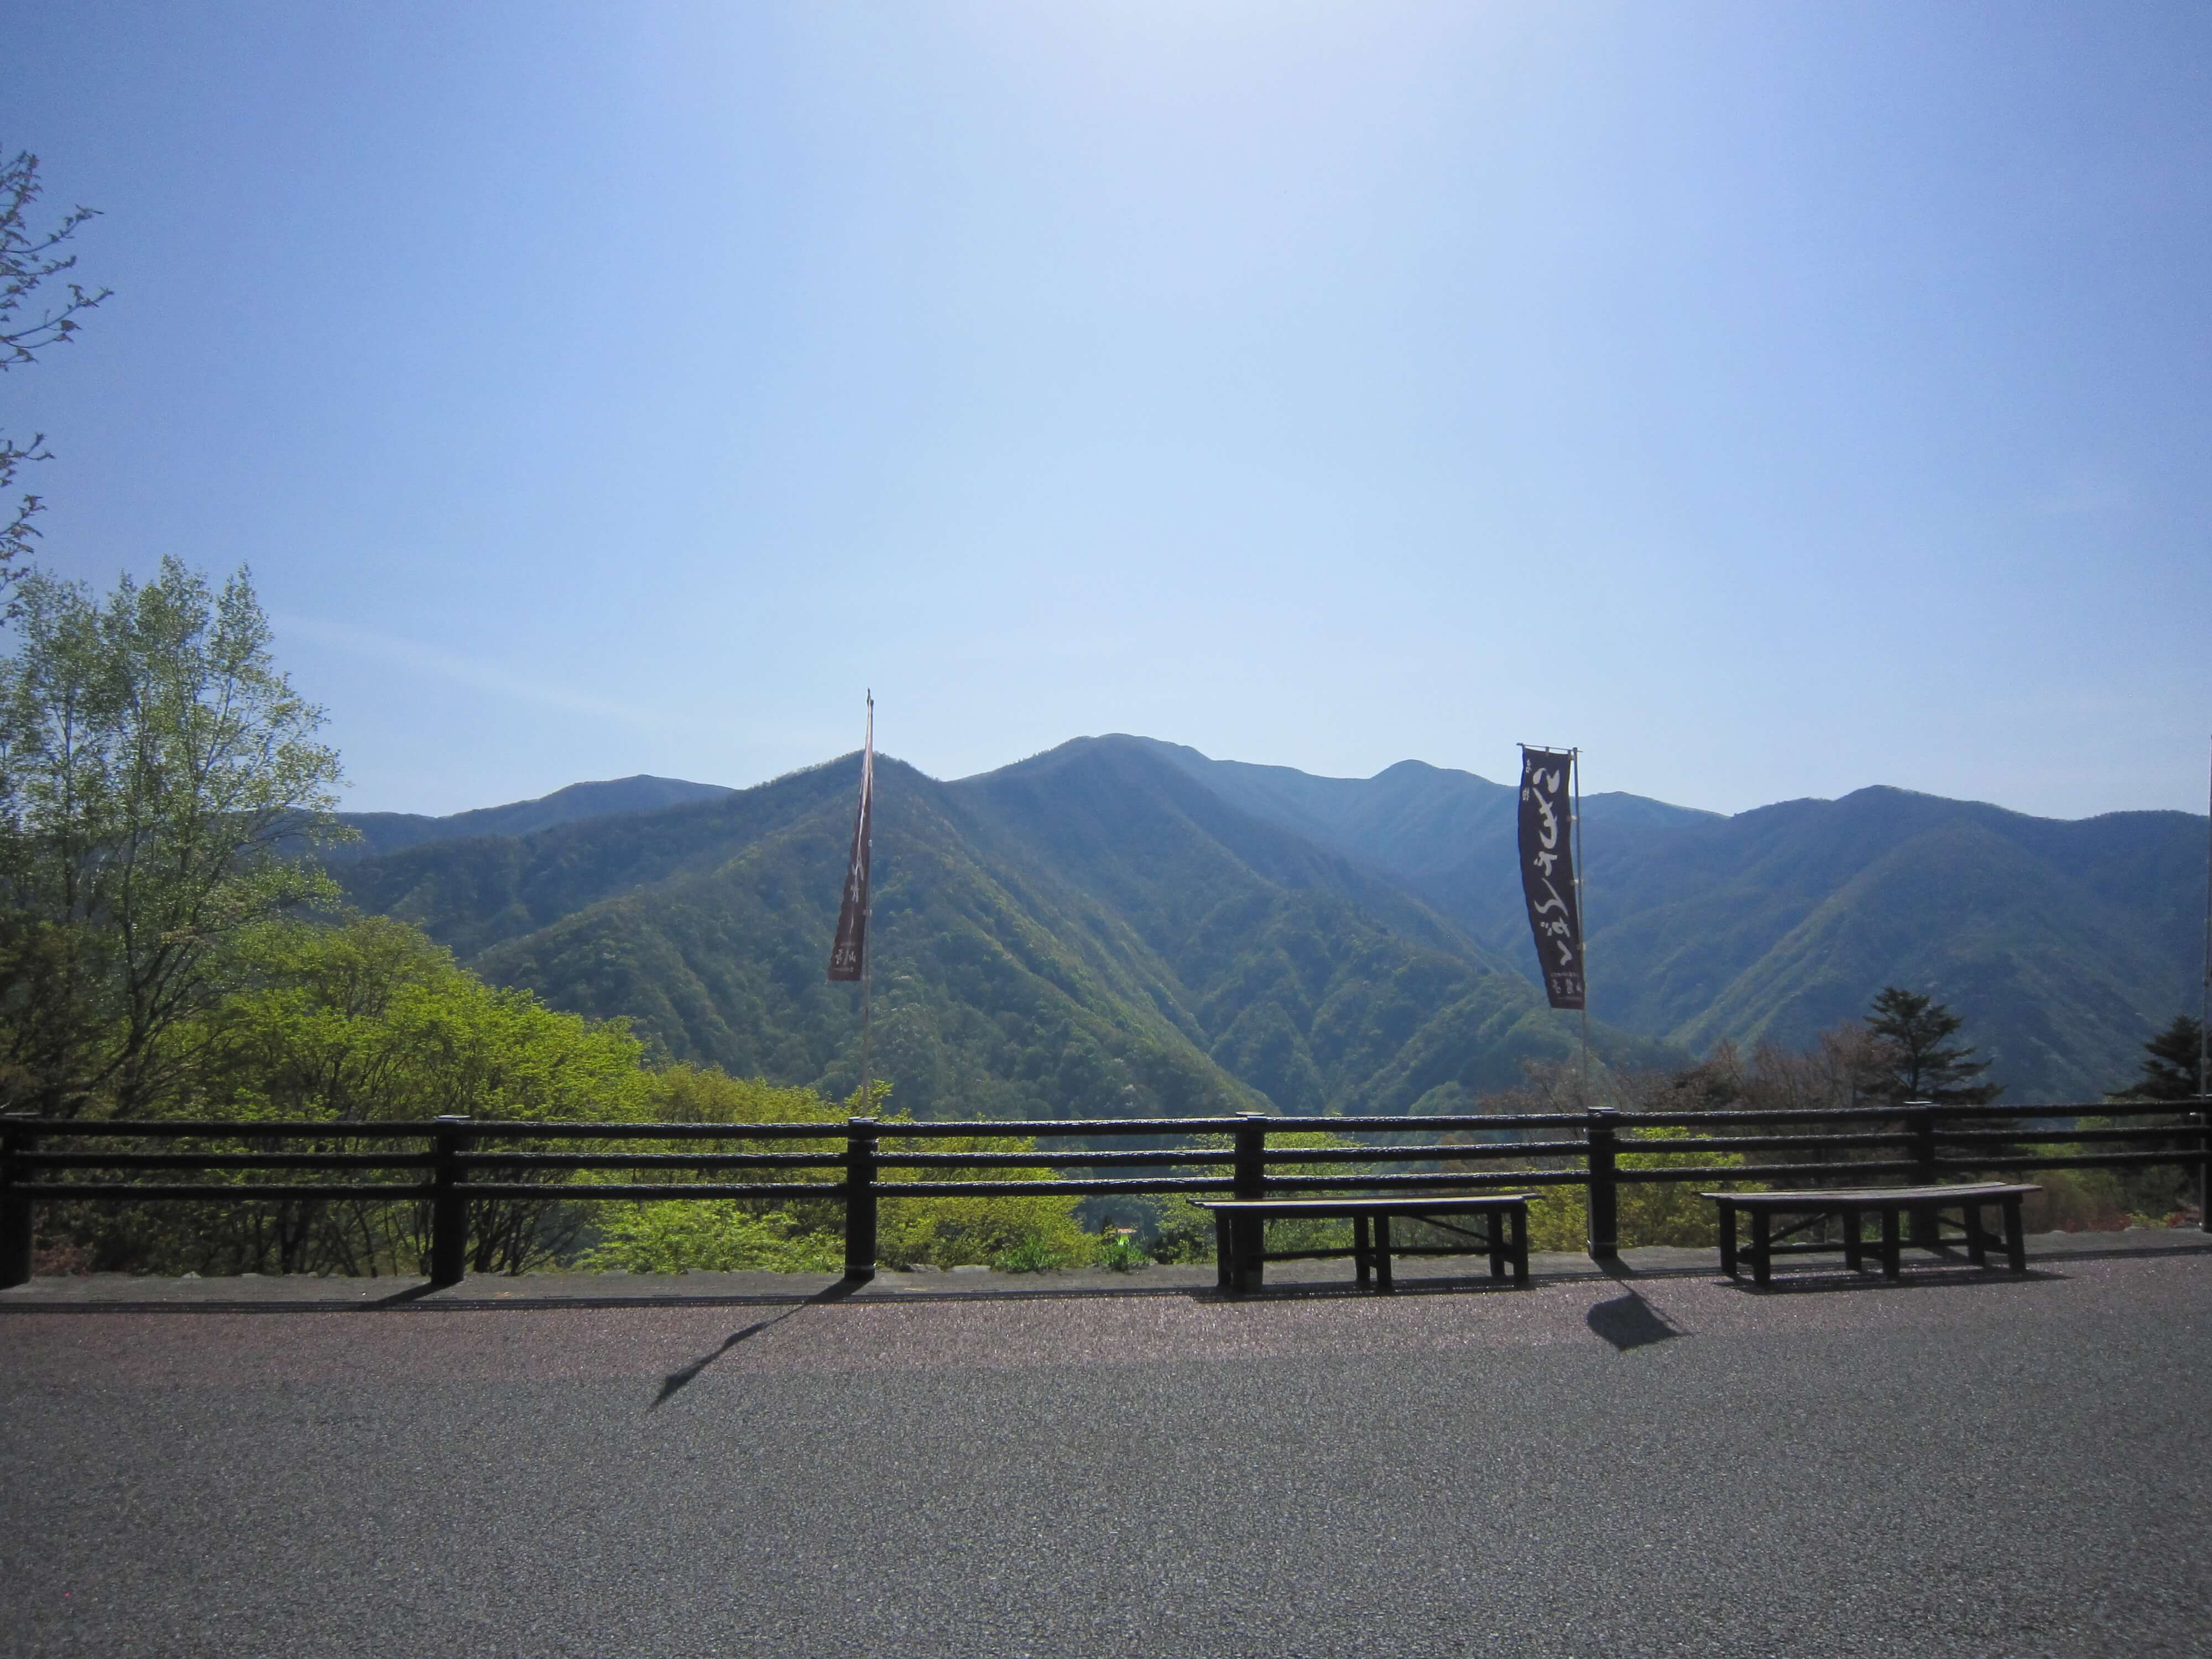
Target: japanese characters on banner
point(849, 951)
point(1548, 871)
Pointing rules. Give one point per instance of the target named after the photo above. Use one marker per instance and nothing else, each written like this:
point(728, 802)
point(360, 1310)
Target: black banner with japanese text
point(1548, 871)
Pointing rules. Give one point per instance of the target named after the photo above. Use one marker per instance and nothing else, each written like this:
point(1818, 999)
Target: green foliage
point(1183, 1231)
point(1119, 1251)
point(1012, 1232)
point(711, 1236)
point(369, 1022)
point(153, 761)
point(1646, 1212)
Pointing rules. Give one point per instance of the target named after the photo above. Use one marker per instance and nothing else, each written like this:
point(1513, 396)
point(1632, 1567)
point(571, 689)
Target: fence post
point(860, 1200)
point(14, 1204)
point(1920, 1124)
point(449, 1203)
point(1604, 1189)
point(2204, 1172)
point(1249, 1172)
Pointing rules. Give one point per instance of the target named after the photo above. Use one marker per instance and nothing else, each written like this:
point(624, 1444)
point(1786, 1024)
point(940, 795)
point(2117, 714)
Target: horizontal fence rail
point(448, 1163)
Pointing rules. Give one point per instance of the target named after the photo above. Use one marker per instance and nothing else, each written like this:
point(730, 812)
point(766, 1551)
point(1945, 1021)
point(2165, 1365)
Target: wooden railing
point(448, 1163)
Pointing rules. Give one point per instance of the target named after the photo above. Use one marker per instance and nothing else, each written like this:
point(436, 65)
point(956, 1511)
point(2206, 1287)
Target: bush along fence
point(463, 1174)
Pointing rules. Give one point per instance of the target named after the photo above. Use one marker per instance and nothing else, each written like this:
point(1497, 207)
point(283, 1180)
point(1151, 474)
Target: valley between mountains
point(1126, 927)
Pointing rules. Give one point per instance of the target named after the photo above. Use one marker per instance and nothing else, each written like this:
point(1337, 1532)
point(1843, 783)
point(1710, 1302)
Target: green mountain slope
point(2065, 945)
point(1090, 933)
point(1311, 978)
point(991, 996)
point(1123, 924)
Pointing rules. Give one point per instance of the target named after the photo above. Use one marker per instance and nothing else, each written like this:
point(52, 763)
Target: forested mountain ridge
point(391, 832)
point(2065, 943)
point(1085, 935)
point(1125, 924)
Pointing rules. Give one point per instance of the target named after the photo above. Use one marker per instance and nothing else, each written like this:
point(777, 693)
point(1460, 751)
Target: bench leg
point(1891, 1267)
point(1225, 1253)
point(1925, 1234)
point(1362, 1254)
point(1382, 1284)
point(1854, 1242)
point(1762, 1247)
point(1518, 1218)
point(2015, 1237)
point(1978, 1240)
point(1728, 1237)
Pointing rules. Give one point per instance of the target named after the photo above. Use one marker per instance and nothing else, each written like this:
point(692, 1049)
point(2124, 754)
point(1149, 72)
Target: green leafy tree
point(30, 258)
point(1914, 1057)
point(369, 1022)
point(157, 768)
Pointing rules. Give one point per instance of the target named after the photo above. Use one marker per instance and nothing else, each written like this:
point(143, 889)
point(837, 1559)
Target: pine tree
point(1915, 1058)
point(2169, 1068)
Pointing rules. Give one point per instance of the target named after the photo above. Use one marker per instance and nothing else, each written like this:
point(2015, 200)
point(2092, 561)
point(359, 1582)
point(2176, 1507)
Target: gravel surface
point(1655, 1463)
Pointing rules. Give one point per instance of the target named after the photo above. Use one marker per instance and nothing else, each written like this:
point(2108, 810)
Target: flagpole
point(868, 910)
point(1582, 919)
point(2204, 1005)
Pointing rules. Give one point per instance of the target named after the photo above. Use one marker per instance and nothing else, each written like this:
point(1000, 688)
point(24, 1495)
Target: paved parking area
point(1655, 1463)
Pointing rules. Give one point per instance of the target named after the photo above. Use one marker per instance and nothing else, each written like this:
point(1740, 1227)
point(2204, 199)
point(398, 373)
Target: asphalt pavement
point(1651, 1462)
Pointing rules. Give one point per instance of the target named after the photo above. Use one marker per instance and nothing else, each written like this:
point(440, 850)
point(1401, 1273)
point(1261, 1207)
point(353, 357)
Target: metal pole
point(1582, 920)
point(868, 944)
point(2204, 1042)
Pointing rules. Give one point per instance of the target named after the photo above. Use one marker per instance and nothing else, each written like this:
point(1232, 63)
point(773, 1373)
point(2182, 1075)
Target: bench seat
point(1924, 1206)
point(1240, 1226)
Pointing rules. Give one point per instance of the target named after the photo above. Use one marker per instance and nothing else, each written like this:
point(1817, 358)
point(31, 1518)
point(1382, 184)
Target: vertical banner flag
point(851, 948)
point(1548, 871)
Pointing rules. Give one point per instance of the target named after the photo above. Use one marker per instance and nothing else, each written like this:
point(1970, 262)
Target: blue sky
point(1773, 400)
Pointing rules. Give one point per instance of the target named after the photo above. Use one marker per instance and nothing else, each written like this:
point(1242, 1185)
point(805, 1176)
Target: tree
point(158, 775)
point(2170, 1064)
point(28, 259)
point(1914, 1058)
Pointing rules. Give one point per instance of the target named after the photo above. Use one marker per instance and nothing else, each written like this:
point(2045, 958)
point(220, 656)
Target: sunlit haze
point(1770, 400)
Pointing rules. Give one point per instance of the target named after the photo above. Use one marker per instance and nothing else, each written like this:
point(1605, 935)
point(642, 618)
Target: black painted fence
point(449, 1160)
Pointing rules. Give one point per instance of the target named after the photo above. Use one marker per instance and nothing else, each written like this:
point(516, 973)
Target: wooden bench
point(1851, 1206)
point(1240, 1233)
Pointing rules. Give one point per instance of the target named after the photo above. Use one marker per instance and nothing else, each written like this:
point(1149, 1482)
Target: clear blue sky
point(1772, 399)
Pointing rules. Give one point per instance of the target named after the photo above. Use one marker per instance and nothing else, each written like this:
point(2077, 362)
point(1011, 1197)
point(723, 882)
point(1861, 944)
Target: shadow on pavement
point(1924, 1273)
point(677, 1381)
point(1628, 1320)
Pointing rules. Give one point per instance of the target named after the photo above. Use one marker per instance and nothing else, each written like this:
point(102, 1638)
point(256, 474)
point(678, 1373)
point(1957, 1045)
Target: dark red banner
point(849, 953)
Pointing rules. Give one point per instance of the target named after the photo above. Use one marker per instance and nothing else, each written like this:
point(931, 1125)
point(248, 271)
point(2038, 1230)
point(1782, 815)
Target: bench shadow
point(677, 1381)
point(1942, 1273)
